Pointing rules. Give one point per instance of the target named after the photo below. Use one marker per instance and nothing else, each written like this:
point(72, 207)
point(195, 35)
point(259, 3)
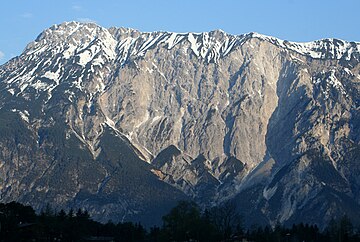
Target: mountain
point(125, 123)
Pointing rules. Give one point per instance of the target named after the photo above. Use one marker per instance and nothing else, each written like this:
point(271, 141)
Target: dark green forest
point(185, 222)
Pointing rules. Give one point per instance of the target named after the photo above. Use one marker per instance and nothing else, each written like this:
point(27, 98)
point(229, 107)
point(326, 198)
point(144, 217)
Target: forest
point(185, 222)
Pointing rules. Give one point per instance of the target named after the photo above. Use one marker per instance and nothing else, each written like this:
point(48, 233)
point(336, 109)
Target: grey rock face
point(270, 123)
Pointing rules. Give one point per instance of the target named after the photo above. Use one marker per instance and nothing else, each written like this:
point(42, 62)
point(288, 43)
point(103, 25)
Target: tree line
point(185, 222)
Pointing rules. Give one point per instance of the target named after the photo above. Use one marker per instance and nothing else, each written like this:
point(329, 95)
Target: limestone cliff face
point(216, 116)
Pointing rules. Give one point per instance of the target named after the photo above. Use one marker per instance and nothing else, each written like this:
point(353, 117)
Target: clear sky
point(295, 20)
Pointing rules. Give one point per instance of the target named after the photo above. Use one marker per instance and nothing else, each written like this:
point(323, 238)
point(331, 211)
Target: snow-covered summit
point(76, 45)
point(71, 38)
point(318, 49)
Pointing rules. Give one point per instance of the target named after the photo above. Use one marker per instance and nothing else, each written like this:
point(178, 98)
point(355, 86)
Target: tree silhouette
point(227, 220)
point(182, 222)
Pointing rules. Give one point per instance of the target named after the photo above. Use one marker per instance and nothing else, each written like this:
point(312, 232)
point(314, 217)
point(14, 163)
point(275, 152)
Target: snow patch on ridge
point(53, 75)
point(85, 57)
point(23, 114)
point(173, 40)
point(193, 44)
point(331, 81)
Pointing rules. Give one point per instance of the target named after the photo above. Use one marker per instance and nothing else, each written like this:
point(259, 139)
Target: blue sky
point(295, 20)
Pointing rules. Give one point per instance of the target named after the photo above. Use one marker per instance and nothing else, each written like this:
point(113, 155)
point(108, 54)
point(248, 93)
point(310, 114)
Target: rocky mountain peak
point(68, 35)
point(209, 46)
point(216, 116)
point(318, 49)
